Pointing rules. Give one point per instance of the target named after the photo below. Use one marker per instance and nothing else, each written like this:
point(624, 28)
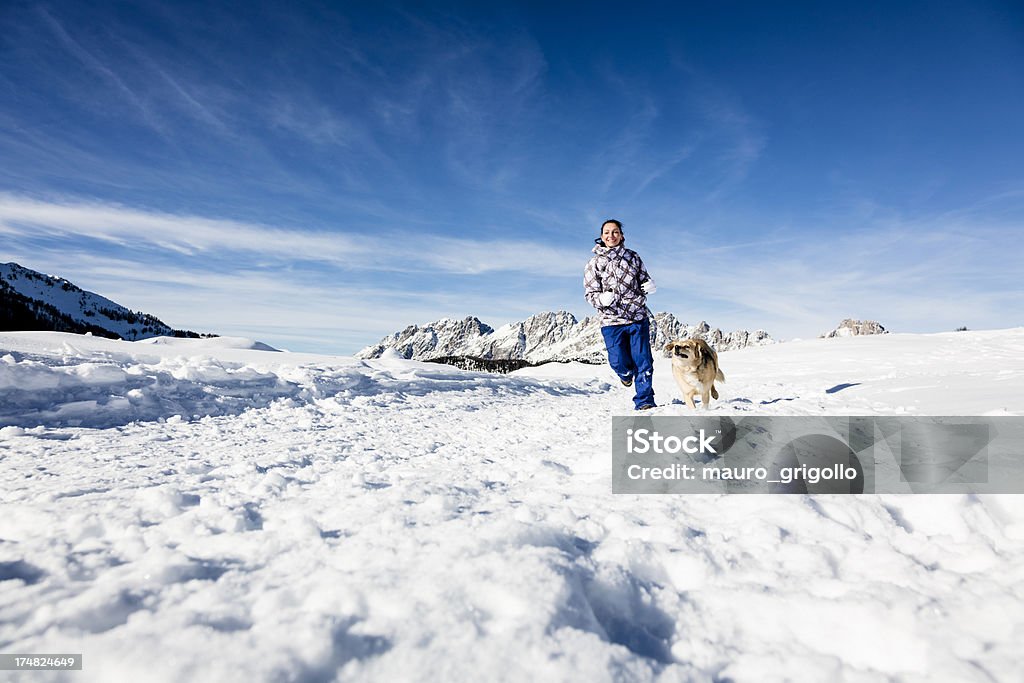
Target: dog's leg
point(689, 399)
point(705, 399)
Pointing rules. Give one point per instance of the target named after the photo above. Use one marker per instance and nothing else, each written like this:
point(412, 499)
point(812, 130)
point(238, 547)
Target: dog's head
point(688, 352)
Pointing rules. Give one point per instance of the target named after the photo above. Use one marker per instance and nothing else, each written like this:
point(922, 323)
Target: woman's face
point(611, 235)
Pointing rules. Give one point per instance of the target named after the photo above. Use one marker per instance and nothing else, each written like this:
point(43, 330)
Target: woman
point(616, 283)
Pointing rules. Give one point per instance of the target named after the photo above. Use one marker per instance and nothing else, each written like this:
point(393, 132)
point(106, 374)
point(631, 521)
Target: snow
point(210, 343)
point(204, 510)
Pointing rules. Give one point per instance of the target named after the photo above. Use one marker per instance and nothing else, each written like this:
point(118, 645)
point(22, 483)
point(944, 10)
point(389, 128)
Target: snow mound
point(391, 354)
point(210, 343)
point(81, 389)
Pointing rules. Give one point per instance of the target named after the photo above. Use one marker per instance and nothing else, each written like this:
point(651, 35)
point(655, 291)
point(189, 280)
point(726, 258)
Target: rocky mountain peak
point(546, 336)
point(855, 328)
point(440, 338)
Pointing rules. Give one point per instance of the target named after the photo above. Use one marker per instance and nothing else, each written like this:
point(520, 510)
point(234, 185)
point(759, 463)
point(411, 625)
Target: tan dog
point(695, 367)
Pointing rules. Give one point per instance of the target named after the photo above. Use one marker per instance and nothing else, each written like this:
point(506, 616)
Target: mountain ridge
point(30, 300)
point(543, 337)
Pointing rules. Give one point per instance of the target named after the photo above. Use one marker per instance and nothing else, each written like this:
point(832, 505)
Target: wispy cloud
point(667, 131)
point(95, 64)
point(284, 306)
point(481, 95)
point(734, 132)
point(188, 235)
point(907, 278)
point(182, 94)
point(621, 156)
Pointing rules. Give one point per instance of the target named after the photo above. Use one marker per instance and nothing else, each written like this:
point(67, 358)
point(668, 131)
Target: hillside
point(30, 300)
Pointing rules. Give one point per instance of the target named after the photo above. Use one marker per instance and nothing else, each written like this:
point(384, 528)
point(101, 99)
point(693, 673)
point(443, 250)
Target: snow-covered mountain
point(446, 337)
point(855, 328)
point(549, 336)
point(669, 328)
point(30, 300)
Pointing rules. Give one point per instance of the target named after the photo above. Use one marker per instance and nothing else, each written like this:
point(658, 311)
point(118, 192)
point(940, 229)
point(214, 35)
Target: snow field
point(398, 520)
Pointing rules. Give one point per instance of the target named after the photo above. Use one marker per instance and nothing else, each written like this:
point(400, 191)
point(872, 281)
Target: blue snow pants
point(629, 354)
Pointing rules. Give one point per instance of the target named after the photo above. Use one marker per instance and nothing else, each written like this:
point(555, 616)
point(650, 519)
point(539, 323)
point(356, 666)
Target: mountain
point(446, 337)
point(855, 328)
point(668, 329)
point(549, 336)
point(30, 300)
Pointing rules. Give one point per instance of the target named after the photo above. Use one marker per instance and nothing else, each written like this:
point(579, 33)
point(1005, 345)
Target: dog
point(695, 367)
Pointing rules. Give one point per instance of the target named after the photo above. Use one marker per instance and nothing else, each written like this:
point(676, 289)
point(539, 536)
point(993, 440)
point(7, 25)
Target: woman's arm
point(644, 278)
point(592, 284)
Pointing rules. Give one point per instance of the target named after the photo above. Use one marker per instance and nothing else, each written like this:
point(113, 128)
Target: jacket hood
point(600, 248)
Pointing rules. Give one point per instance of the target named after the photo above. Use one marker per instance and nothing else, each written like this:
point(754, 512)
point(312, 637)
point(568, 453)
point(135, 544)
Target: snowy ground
point(188, 510)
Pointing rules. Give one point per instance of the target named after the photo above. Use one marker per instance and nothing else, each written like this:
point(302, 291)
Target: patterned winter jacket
point(618, 270)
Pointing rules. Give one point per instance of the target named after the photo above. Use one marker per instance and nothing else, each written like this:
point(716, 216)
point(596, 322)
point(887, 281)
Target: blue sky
point(317, 175)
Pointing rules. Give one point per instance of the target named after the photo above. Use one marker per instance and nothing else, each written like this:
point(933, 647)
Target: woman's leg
point(643, 361)
point(617, 341)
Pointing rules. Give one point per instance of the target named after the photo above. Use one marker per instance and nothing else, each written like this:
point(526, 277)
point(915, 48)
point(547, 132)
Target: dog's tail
point(719, 376)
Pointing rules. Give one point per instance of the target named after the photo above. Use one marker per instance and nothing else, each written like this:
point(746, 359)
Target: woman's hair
point(617, 224)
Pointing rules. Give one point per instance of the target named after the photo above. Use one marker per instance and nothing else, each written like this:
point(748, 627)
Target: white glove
point(606, 299)
point(649, 287)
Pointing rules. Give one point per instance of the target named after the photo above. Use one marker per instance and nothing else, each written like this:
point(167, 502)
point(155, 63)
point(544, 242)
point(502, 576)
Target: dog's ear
point(668, 347)
point(698, 351)
point(706, 350)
